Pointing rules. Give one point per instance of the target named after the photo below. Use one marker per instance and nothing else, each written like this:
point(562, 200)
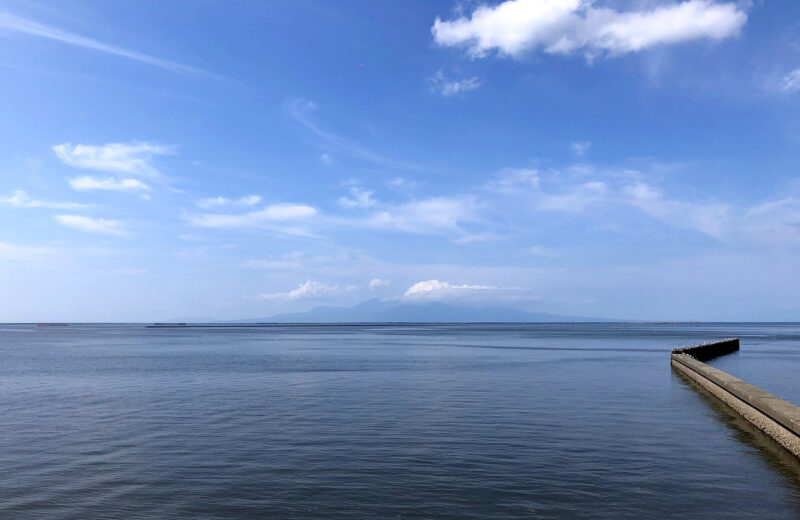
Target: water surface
point(369, 422)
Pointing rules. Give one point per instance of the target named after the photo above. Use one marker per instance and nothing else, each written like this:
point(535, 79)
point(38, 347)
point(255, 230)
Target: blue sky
point(173, 160)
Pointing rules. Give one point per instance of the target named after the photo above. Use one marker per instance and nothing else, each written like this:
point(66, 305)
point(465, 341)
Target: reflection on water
point(772, 453)
point(434, 421)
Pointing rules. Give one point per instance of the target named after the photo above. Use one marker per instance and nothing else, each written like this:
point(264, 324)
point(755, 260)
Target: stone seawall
point(777, 418)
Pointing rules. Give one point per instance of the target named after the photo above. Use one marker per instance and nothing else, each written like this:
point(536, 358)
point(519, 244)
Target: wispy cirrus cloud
point(21, 199)
point(790, 82)
point(580, 148)
point(575, 198)
point(512, 180)
point(515, 27)
point(217, 202)
point(131, 158)
point(774, 222)
point(88, 183)
point(585, 191)
point(450, 216)
point(331, 264)
point(710, 218)
point(358, 199)
point(24, 253)
point(434, 215)
point(295, 261)
point(302, 111)
point(93, 225)
point(449, 87)
point(21, 25)
point(617, 195)
point(430, 216)
point(377, 283)
point(290, 219)
point(570, 191)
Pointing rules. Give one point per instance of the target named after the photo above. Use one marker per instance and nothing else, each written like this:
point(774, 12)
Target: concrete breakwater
point(706, 351)
point(777, 418)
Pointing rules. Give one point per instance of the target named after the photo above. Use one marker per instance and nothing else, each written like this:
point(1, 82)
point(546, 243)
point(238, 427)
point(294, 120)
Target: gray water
point(372, 422)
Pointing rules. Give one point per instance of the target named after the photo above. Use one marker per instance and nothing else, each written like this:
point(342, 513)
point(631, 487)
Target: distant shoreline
point(148, 324)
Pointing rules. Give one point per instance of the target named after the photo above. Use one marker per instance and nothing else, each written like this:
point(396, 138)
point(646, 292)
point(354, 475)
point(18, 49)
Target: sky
point(217, 160)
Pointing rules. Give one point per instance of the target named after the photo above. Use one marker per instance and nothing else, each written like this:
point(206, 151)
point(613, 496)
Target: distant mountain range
point(388, 311)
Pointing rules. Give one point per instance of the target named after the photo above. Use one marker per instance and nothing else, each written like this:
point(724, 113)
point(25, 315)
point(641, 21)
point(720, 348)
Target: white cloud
point(515, 27)
point(607, 197)
point(20, 199)
point(376, 283)
point(775, 222)
point(581, 147)
point(309, 290)
point(513, 180)
point(711, 218)
point(790, 82)
point(427, 216)
point(86, 183)
point(214, 202)
point(581, 191)
point(358, 199)
point(23, 253)
point(448, 87)
point(131, 158)
point(14, 23)
point(575, 198)
point(402, 183)
point(550, 191)
point(474, 238)
point(288, 262)
point(98, 226)
point(277, 217)
point(437, 289)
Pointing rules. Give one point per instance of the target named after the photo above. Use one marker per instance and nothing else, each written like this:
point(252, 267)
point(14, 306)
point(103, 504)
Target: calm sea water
point(372, 422)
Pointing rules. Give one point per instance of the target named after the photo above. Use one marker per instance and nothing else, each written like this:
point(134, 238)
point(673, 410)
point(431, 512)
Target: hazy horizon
point(616, 159)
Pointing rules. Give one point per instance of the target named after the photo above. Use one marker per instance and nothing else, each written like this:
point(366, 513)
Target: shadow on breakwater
point(710, 350)
point(768, 450)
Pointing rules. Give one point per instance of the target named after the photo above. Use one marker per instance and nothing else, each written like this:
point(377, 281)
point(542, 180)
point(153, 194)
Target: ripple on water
point(489, 421)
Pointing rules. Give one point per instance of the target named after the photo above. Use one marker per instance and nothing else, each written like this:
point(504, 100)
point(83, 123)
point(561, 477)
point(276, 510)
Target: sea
point(428, 421)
